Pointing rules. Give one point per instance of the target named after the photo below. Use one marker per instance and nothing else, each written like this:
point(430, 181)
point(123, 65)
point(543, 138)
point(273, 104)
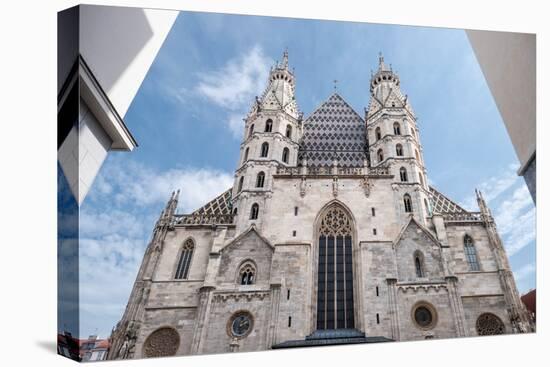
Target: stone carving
point(161, 343)
point(366, 184)
point(335, 186)
point(303, 187)
point(336, 222)
point(489, 324)
point(127, 349)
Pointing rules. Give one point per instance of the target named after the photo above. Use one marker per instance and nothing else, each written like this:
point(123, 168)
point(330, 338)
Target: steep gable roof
point(442, 204)
point(251, 230)
point(221, 205)
point(413, 221)
point(333, 131)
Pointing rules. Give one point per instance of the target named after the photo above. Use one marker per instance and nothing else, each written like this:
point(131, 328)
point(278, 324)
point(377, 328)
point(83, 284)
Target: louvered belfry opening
point(335, 271)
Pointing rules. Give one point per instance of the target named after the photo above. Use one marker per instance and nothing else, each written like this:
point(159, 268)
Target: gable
point(249, 246)
point(333, 131)
point(412, 239)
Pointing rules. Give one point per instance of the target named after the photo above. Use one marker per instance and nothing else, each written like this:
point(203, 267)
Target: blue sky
point(187, 119)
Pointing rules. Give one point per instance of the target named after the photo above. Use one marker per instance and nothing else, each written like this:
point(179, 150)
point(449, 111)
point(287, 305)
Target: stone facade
point(340, 232)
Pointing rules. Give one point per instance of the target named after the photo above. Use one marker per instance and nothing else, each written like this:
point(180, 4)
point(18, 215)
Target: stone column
point(274, 315)
point(456, 305)
point(202, 319)
point(392, 306)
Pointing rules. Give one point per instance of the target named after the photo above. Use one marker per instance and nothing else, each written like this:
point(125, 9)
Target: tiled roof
point(221, 205)
point(333, 130)
point(442, 204)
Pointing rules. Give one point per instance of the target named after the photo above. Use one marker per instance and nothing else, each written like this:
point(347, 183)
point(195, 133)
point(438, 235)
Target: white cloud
point(493, 187)
point(238, 81)
point(513, 208)
point(115, 233)
point(524, 271)
point(234, 86)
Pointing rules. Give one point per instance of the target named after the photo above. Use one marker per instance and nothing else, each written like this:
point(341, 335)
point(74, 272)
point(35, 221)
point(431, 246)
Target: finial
point(335, 81)
point(380, 58)
point(284, 63)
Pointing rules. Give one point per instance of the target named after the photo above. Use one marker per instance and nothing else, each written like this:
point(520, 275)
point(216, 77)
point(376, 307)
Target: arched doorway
point(335, 306)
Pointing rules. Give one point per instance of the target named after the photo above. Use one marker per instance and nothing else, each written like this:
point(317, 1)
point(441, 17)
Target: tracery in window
point(268, 125)
point(471, 253)
point(247, 273)
point(489, 324)
point(182, 271)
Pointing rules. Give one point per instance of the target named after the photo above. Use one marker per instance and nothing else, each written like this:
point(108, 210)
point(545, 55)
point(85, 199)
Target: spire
point(171, 206)
point(381, 65)
point(279, 93)
point(284, 63)
point(483, 208)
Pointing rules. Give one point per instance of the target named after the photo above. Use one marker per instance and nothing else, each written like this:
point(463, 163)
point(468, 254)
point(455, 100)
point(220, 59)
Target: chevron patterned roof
point(442, 204)
point(219, 206)
point(333, 130)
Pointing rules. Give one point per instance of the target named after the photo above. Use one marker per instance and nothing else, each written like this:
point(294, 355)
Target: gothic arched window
point(399, 150)
point(471, 254)
point(245, 158)
point(380, 155)
point(185, 259)
point(417, 155)
point(241, 181)
point(428, 209)
point(265, 150)
point(288, 131)
point(378, 133)
point(407, 203)
point(335, 308)
point(260, 179)
point(251, 130)
point(268, 125)
point(419, 264)
point(421, 179)
point(396, 129)
point(254, 211)
point(247, 273)
point(403, 174)
point(285, 155)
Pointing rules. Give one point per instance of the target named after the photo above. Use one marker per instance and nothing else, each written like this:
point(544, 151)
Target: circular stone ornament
point(489, 324)
point(163, 342)
point(240, 324)
point(424, 316)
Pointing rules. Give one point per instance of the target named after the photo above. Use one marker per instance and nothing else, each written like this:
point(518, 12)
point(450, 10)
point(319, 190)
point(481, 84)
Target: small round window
point(424, 316)
point(240, 324)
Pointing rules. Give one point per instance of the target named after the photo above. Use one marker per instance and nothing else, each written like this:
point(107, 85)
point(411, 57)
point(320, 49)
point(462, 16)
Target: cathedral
point(330, 235)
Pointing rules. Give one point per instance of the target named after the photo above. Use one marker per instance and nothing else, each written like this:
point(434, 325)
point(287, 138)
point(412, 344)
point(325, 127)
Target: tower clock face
point(241, 325)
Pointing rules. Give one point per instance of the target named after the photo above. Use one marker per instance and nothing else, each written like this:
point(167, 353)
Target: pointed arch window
point(403, 174)
point(378, 133)
point(245, 158)
point(241, 181)
point(289, 131)
point(419, 264)
point(380, 155)
point(286, 152)
point(396, 128)
point(254, 211)
point(269, 126)
point(428, 208)
point(247, 273)
point(335, 307)
point(421, 179)
point(251, 130)
point(471, 253)
point(182, 271)
point(399, 150)
point(265, 150)
point(260, 179)
point(407, 203)
point(417, 155)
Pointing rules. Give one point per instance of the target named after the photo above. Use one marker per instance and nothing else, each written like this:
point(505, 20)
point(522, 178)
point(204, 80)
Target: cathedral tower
point(394, 141)
point(272, 130)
